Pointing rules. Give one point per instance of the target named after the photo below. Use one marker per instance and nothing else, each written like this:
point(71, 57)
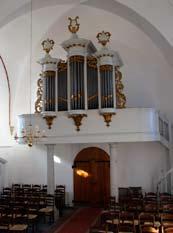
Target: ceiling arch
point(112, 6)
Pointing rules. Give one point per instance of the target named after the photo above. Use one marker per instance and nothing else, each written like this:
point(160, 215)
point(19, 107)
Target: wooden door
point(92, 177)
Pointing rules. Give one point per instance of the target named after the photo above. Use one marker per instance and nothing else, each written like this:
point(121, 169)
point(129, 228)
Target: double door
point(92, 181)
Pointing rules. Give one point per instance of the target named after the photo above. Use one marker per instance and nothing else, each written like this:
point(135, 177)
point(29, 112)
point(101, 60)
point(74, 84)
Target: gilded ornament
point(108, 118)
point(48, 45)
point(106, 68)
point(77, 96)
point(75, 45)
point(38, 103)
point(49, 74)
point(103, 37)
point(77, 118)
point(92, 62)
point(62, 99)
point(120, 96)
point(74, 25)
point(76, 59)
point(49, 120)
point(62, 66)
point(90, 98)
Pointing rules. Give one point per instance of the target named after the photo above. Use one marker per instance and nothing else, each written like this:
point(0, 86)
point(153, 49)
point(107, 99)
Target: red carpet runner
point(80, 221)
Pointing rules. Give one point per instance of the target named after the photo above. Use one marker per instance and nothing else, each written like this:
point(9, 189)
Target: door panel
point(81, 184)
point(94, 188)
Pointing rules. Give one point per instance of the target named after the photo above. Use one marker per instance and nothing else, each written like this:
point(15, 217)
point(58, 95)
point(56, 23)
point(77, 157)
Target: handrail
point(163, 178)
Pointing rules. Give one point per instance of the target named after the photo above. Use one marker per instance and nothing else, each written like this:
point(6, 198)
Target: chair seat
point(31, 216)
point(136, 222)
point(100, 231)
point(125, 232)
point(114, 221)
point(166, 224)
point(46, 210)
point(18, 227)
point(4, 227)
point(148, 223)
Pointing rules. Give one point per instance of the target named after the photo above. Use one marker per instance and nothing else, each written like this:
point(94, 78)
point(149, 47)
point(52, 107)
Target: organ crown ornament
point(48, 45)
point(74, 25)
point(103, 37)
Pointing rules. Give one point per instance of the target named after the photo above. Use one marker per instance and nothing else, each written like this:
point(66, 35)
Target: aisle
point(80, 221)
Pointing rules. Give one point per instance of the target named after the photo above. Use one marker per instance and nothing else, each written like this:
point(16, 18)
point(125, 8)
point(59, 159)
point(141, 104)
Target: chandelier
point(31, 134)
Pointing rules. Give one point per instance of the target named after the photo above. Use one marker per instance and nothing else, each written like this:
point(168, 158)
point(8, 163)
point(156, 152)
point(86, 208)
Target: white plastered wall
point(139, 164)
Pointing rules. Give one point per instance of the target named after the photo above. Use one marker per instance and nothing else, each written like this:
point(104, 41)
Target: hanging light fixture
point(30, 134)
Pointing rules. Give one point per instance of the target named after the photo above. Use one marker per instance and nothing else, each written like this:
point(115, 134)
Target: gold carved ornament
point(90, 98)
point(77, 96)
point(38, 102)
point(76, 59)
point(49, 120)
point(92, 62)
point(48, 45)
point(77, 118)
point(120, 96)
point(108, 117)
point(74, 25)
point(49, 74)
point(106, 98)
point(62, 66)
point(106, 68)
point(103, 37)
point(62, 99)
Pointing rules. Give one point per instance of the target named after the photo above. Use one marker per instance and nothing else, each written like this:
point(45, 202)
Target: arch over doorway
point(92, 177)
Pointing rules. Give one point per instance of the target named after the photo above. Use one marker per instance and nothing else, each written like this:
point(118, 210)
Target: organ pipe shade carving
point(77, 82)
point(120, 96)
point(38, 103)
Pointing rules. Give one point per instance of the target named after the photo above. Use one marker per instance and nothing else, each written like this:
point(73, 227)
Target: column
point(56, 88)
point(68, 85)
point(114, 169)
point(114, 88)
point(50, 169)
point(85, 82)
point(99, 85)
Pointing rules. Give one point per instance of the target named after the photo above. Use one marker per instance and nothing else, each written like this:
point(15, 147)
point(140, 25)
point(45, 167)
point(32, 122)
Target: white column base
point(50, 170)
point(114, 170)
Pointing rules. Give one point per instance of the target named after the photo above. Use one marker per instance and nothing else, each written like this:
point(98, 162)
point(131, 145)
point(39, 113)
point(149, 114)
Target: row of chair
point(124, 221)
point(22, 206)
point(14, 213)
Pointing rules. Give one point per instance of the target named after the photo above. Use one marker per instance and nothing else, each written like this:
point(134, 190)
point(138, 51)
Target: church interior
point(86, 116)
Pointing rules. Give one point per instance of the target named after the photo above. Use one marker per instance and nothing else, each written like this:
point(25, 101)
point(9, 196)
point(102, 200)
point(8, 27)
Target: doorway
point(92, 177)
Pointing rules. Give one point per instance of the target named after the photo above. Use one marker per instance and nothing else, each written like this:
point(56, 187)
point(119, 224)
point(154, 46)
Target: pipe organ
point(88, 79)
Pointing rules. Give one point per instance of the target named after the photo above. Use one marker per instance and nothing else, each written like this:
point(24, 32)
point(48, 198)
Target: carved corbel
point(108, 117)
point(49, 120)
point(77, 118)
